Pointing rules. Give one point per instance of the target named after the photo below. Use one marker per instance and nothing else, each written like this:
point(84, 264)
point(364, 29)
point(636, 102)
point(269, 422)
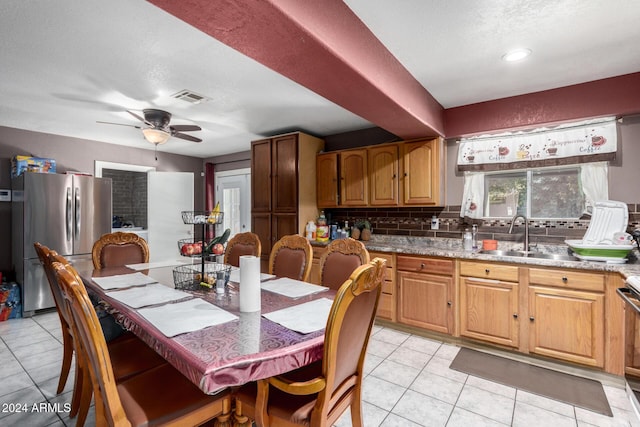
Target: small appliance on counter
point(606, 238)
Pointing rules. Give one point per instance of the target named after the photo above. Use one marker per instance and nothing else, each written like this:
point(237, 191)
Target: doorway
point(233, 192)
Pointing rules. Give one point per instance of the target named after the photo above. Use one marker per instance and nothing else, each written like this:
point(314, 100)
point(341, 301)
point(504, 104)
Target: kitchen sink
point(539, 255)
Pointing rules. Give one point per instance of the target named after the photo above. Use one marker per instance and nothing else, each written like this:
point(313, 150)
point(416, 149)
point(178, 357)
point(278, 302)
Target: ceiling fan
point(158, 130)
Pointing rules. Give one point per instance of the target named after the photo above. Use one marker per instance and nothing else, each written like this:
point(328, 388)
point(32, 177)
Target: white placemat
point(158, 264)
point(142, 296)
point(235, 276)
point(123, 281)
point(187, 316)
point(292, 288)
point(305, 318)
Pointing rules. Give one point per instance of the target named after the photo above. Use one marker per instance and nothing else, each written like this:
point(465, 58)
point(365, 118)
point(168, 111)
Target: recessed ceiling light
point(516, 55)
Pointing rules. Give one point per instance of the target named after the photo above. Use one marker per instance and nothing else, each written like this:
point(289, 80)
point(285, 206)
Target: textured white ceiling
point(66, 64)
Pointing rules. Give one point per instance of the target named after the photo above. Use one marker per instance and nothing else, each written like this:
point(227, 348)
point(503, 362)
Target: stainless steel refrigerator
point(67, 213)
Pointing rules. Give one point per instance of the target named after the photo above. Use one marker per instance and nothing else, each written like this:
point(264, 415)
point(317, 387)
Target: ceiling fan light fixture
point(516, 55)
point(156, 136)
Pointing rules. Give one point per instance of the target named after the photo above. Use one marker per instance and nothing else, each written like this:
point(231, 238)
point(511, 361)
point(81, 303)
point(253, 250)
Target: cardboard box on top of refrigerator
point(21, 164)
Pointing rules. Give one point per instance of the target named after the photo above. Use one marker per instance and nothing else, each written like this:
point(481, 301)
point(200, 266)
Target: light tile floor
point(408, 383)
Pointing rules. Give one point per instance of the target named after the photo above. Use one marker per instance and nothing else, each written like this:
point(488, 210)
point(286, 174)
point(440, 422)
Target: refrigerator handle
point(78, 216)
point(68, 213)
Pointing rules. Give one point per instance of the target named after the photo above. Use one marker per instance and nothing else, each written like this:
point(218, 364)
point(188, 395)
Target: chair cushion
point(337, 268)
point(238, 250)
point(289, 263)
point(118, 255)
point(163, 394)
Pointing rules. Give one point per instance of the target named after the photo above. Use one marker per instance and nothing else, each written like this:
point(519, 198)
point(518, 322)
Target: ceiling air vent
point(192, 97)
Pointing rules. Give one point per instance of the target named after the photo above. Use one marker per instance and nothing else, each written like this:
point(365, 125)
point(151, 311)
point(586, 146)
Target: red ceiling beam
point(615, 96)
point(323, 46)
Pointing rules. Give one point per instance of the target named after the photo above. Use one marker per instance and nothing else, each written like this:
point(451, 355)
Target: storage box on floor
point(10, 302)
point(21, 164)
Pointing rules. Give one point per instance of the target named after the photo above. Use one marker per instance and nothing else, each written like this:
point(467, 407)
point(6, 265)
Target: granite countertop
point(452, 248)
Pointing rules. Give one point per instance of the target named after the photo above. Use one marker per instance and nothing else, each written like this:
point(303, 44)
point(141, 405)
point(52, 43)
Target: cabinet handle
point(394, 176)
point(421, 265)
point(532, 318)
point(449, 303)
point(487, 271)
point(515, 315)
point(565, 280)
point(406, 174)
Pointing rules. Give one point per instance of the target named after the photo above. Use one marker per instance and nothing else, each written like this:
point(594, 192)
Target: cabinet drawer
point(489, 271)
point(567, 279)
point(425, 265)
point(388, 287)
point(390, 273)
point(387, 307)
point(318, 251)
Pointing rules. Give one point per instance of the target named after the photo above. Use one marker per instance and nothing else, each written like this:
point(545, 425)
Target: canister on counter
point(322, 233)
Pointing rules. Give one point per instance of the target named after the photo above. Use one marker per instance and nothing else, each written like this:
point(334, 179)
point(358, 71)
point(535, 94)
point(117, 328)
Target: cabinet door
point(420, 172)
point(489, 310)
point(261, 176)
point(285, 173)
point(387, 304)
point(283, 225)
point(353, 178)
point(261, 225)
point(314, 275)
point(567, 325)
point(425, 301)
point(383, 175)
point(327, 180)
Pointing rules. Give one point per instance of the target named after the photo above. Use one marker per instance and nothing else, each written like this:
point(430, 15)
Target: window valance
point(563, 145)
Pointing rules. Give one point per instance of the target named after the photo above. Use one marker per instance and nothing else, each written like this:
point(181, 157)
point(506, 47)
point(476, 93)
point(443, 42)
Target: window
point(535, 193)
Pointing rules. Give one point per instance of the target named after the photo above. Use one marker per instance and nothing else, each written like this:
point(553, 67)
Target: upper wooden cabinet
point(399, 174)
point(353, 178)
point(383, 175)
point(327, 181)
point(421, 172)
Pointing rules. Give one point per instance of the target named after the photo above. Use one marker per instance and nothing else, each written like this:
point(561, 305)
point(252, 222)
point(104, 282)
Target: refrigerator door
point(91, 211)
point(36, 292)
point(47, 214)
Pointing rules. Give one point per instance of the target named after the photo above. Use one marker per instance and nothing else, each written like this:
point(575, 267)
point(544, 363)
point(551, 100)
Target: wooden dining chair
point(317, 395)
point(242, 244)
point(291, 257)
point(159, 396)
point(118, 249)
point(340, 259)
point(130, 355)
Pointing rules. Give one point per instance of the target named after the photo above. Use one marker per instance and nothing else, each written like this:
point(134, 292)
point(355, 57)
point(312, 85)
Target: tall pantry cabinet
point(283, 187)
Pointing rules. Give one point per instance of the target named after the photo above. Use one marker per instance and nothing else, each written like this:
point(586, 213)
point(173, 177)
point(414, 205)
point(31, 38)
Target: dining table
point(244, 347)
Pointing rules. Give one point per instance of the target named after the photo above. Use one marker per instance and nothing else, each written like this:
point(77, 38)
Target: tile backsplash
point(417, 222)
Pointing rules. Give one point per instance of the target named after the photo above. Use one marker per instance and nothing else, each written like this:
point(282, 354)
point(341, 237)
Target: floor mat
point(577, 391)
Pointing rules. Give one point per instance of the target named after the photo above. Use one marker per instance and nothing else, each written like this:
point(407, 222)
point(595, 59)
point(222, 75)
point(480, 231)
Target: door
point(489, 310)
point(233, 192)
point(327, 180)
point(383, 175)
point(420, 178)
point(168, 194)
point(261, 175)
point(353, 178)
point(285, 174)
point(91, 211)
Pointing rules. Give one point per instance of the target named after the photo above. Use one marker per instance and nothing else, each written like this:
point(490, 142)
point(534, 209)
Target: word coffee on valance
point(560, 146)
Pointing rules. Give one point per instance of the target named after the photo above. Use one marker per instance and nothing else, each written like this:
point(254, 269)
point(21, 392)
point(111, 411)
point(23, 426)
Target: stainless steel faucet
point(526, 230)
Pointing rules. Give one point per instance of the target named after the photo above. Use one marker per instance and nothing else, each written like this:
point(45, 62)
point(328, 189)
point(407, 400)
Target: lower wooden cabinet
point(567, 315)
point(314, 275)
point(489, 310)
point(387, 303)
point(426, 293)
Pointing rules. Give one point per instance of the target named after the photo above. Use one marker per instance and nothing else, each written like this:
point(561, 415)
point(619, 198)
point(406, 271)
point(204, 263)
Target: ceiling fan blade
point(138, 117)
point(185, 128)
point(119, 124)
point(186, 137)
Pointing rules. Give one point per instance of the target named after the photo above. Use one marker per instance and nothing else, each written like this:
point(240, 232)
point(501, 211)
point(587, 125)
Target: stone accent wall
point(417, 222)
point(129, 195)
